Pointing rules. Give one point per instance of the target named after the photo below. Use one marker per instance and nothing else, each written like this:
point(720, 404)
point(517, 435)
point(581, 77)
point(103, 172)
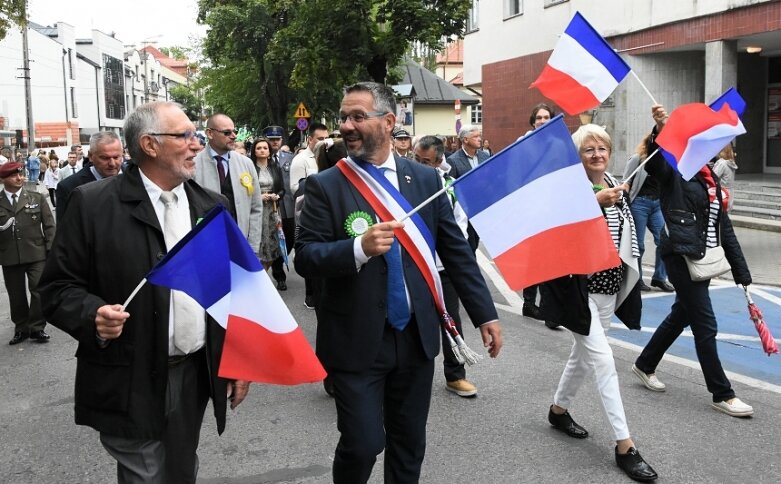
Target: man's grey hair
point(428, 142)
point(102, 138)
point(143, 120)
point(466, 130)
point(384, 98)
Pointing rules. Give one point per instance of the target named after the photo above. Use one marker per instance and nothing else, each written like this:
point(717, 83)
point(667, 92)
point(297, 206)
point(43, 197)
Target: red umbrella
point(768, 343)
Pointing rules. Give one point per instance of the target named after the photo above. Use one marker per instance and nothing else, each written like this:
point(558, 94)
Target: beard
point(370, 145)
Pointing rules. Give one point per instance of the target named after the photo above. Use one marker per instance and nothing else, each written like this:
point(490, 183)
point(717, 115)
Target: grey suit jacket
point(459, 163)
point(249, 206)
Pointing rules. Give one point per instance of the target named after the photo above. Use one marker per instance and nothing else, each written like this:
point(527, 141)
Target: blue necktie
point(398, 310)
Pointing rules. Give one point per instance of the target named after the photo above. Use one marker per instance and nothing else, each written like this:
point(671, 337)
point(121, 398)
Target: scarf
point(707, 175)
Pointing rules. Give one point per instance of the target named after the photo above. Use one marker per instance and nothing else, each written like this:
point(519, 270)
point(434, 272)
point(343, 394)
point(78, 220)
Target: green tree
point(189, 98)
point(267, 55)
point(12, 12)
point(175, 52)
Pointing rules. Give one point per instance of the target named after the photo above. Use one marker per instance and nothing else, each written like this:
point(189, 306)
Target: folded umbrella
point(281, 237)
point(768, 342)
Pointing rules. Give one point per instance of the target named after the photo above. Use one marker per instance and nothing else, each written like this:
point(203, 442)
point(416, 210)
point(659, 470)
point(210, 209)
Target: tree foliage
point(267, 55)
point(12, 13)
point(190, 100)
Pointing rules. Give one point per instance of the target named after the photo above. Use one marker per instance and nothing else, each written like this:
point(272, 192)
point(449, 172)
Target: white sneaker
point(649, 380)
point(734, 407)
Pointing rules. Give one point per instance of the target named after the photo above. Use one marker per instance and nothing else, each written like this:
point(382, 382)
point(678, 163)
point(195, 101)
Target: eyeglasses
point(358, 118)
point(225, 132)
point(601, 151)
point(187, 135)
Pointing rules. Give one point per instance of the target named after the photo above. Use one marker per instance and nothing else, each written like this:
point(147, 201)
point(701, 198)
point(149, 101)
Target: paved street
point(288, 434)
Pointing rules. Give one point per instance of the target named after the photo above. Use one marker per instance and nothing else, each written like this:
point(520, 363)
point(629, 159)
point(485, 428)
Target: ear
point(149, 146)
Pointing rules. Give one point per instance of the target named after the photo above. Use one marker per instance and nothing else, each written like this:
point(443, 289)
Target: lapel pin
point(408, 178)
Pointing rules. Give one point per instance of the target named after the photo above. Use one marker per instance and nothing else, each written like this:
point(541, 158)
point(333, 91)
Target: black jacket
point(685, 207)
point(277, 186)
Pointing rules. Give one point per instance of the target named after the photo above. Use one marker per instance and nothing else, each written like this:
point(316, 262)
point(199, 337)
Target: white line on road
point(516, 302)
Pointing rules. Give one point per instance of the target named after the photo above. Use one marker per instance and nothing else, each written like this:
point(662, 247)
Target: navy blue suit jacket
point(351, 318)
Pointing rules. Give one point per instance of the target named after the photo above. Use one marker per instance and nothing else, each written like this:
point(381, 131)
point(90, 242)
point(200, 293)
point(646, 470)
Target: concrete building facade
point(683, 51)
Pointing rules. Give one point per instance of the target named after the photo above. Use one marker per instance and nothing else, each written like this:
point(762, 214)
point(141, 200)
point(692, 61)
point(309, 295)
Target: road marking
point(516, 302)
point(689, 334)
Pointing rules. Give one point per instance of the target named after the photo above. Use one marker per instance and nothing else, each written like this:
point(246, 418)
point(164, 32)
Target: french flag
point(216, 266)
point(583, 69)
point(535, 210)
point(733, 99)
point(695, 133)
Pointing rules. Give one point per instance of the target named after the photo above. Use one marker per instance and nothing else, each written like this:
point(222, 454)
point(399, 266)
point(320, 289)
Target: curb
point(755, 223)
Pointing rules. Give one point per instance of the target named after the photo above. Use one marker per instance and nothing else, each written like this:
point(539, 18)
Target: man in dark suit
point(26, 235)
point(381, 364)
point(106, 155)
point(470, 155)
point(143, 376)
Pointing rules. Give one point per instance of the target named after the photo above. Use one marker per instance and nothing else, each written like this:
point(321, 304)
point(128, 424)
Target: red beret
point(8, 169)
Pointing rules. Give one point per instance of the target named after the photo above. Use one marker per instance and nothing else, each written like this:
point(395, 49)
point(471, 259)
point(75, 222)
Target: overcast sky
point(131, 20)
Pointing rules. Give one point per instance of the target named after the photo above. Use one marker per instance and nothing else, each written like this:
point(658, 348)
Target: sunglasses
point(225, 132)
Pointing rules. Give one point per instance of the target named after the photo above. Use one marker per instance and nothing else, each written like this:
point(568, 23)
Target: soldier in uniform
point(25, 239)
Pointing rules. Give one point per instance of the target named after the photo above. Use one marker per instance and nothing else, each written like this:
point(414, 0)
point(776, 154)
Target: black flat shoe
point(18, 338)
point(663, 285)
point(551, 324)
point(39, 336)
point(531, 311)
point(282, 285)
point(634, 466)
point(565, 423)
point(644, 287)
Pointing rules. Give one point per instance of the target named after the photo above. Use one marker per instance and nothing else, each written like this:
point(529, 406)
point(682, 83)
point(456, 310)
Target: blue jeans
point(692, 307)
point(648, 213)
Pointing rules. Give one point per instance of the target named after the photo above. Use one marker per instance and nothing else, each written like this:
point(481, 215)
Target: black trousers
point(530, 295)
point(26, 317)
point(384, 408)
point(453, 369)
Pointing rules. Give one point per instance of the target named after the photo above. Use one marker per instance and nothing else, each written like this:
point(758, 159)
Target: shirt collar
point(390, 163)
point(213, 154)
point(155, 191)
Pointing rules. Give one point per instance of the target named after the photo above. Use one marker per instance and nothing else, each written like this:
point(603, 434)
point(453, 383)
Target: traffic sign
point(301, 111)
point(302, 124)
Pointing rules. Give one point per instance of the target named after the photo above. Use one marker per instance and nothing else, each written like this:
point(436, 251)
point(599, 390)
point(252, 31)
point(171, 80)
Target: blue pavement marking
point(738, 344)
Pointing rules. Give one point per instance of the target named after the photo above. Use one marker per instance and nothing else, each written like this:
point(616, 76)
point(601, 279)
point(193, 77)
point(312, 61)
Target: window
point(74, 106)
point(473, 21)
point(476, 114)
point(70, 64)
point(550, 3)
point(512, 8)
point(114, 87)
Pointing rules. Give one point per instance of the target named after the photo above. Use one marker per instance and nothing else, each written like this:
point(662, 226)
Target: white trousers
point(592, 354)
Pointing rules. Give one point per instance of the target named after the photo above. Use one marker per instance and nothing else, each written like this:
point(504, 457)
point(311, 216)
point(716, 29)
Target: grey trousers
point(173, 459)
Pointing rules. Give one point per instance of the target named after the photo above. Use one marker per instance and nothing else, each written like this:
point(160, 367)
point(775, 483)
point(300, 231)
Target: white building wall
point(101, 44)
point(538, 28)
point(45, 80)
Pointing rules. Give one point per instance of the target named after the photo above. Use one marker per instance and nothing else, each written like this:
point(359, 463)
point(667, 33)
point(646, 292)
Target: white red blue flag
point(695, 133)
point(583, 69)
point(535, 210)
point(216, 266)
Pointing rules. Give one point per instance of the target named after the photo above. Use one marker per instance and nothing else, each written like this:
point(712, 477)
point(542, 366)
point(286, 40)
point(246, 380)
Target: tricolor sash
point(389, 205)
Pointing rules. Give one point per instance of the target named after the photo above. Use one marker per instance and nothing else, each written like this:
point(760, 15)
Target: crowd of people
point(146, 372)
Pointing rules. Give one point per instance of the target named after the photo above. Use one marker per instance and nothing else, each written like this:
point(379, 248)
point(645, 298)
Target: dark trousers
point(174, 457)
point(530, 295)
point(52, 197)
point(453, 369)
point(692, 307)
point(384, 407)
point(26, 317)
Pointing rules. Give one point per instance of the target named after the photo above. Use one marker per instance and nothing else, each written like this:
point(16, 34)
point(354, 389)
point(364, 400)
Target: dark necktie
point(398, 309)
point(13, 202)
point(73, 170)
point(220, 169)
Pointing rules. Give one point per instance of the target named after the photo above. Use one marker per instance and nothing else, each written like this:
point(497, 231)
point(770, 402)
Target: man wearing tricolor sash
point(378, 324)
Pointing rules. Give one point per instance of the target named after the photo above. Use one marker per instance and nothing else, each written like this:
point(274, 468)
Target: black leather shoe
point(551, 324)
point(565, 423)
point(39, 336)
point(644, 287)
point(328, 386)
point(282, 285)
point(532, 311)
point(663, 285)
point(309, 302)
point(18, 338)
point(634, 466)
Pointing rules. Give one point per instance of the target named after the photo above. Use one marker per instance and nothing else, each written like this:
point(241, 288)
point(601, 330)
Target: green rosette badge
point(358, 223)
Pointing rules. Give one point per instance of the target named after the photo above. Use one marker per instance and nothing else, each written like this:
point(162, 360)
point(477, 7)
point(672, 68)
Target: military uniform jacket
point(29, 238)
